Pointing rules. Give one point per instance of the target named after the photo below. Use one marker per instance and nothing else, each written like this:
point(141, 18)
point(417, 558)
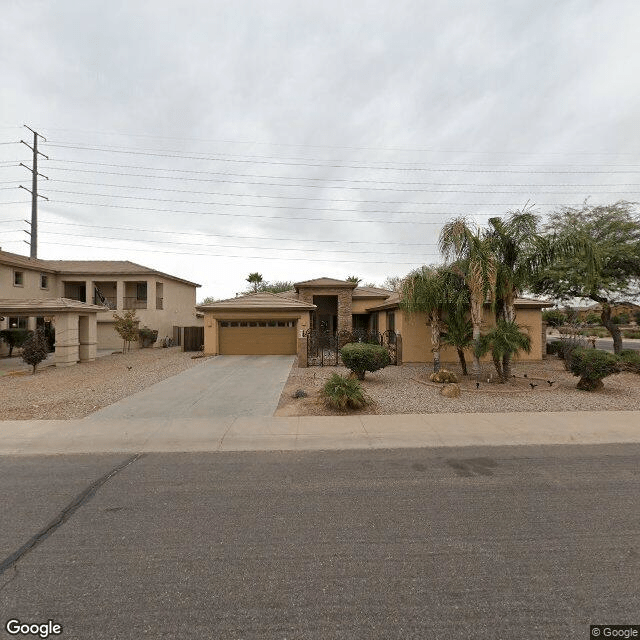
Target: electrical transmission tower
point(34, 189)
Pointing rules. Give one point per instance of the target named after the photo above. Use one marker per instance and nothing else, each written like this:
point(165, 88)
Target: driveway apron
point(220, 386)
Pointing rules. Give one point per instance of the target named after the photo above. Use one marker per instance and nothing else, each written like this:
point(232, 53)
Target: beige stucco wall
point(211, 318)
point(360, 305)
point(416, 336)
point(31, 288)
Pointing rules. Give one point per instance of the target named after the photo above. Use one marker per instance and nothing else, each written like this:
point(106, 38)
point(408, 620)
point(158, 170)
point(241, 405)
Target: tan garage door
point(257, 337)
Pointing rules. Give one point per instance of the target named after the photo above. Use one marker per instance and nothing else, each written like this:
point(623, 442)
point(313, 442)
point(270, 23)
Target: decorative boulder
point(444, 376)
point(450, 390)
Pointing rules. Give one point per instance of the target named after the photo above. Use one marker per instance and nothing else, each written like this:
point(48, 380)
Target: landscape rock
point(451, 390)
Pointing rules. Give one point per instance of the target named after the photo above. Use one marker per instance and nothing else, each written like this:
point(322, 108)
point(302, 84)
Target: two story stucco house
point(162, 301)
point(267, 323)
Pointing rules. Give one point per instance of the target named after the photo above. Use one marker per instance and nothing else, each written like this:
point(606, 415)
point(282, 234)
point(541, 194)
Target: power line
point(226, 256)
point(216, 235)
point(279, 197)
point(202, 157)
point(250, 175)
point(232, 246)
point(249, 215)
point(324, 146)
point(297, 208)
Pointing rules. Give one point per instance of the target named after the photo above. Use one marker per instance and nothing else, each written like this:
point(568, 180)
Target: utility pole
point(34, 189)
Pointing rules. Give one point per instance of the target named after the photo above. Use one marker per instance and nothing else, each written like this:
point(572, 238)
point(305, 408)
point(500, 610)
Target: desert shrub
point(636, 316)
point(35, 349)
point(553, 348)
point(361, 357)
point(343, 393)
point(444, 376)
point(630, 360)
point(631, 333)
point(592, 365)
point(147, 336)
point(554, 317)
point(592, 318)
point(567, 344)
point(14, 338)
point(621, 318)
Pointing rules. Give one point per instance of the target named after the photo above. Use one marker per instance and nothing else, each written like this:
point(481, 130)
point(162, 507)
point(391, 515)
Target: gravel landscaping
point(407, 389)
point(77, 391)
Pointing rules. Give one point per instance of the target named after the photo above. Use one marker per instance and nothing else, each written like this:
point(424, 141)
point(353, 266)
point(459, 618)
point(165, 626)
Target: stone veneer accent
point(345, 295)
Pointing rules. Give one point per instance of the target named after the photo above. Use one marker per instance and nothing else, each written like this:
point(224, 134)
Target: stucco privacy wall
point(416, 336)
point(211, 319)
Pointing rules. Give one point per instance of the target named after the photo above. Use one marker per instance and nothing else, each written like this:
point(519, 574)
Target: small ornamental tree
point(35, 349)
point(126, 326)
point(361, 357)
point(14, 338)
point(592, 365)
point(554, 317)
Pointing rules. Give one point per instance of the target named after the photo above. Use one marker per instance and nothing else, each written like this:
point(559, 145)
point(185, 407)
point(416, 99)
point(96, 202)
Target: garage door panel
point(257, 341)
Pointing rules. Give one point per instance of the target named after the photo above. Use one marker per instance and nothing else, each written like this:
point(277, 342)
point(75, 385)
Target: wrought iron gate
point(323, 348)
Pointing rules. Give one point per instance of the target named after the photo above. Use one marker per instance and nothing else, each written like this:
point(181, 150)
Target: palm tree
point(458, 334)
point(254, 279)
point(354, 279)
point(423, 291)
point(521, 253)
point(505, 338)
point(477, 263)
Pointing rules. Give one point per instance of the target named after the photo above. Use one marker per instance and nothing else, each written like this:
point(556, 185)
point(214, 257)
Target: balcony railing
point(159, 303)
point(106, 301)
point(134, 303)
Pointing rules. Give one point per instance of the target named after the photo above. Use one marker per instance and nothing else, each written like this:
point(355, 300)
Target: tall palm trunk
point(463, 362)
point(476, 321)
point(436, 330)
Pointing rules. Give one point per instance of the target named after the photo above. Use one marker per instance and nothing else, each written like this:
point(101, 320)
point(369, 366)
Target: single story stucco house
point(268, 323)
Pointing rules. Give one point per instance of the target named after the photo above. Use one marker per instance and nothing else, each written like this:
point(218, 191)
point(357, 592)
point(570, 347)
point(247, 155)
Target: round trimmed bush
point(592, 365)
point(360, 357)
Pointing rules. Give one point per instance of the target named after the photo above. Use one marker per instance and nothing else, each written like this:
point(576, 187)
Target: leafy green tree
point(277, 286)
point(554, 317)
point(126, 326)
point(14, 338)
point(208, 300)
point(506, 338)
point(35, 349)
point(607, 270)
point(254, 280)
point(622, 318)
point(592, 365)
point(592, 318)
point(393, 283)
point(476, 261)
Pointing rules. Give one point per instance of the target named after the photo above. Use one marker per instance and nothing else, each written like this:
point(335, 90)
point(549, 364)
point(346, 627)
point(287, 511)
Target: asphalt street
point(606, 344)
point(511, 542)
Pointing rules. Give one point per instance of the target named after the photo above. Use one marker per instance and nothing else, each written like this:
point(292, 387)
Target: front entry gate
point(323, 348)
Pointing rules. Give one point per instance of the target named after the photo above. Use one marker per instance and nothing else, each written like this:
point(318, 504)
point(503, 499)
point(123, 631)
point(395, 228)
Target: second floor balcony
point(133, 302)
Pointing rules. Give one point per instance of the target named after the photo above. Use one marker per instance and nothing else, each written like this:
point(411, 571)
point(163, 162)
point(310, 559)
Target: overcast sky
point(306, 139)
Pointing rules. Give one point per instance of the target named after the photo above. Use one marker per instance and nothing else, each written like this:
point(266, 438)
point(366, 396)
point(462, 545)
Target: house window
point(18, 278)
point(374, 322)
point(17, 323)
point(141, 291)
point(391, 321)
point(44, 281)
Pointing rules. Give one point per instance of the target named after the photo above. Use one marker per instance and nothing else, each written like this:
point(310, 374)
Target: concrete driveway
point(220, 386)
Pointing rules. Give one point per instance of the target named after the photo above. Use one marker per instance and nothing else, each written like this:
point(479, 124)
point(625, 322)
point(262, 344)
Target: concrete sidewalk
point(317, 432)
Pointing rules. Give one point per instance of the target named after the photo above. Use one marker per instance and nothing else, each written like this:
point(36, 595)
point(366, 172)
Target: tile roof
point(85, 267)
point(258, 301)
point(371, 292)
point(46, 305)
point(325, 282)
